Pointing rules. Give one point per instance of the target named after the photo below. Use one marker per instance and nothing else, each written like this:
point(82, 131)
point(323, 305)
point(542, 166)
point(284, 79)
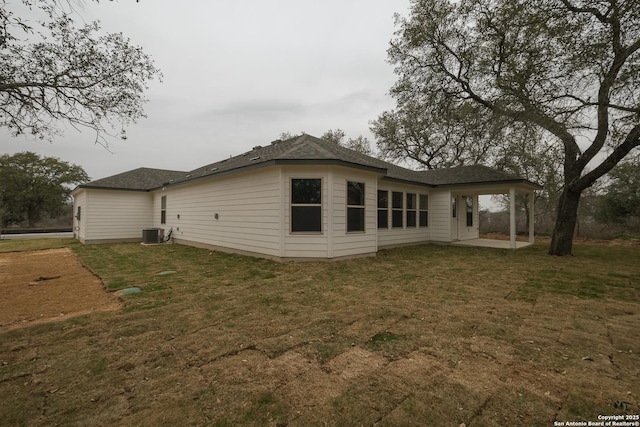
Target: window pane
point(355, 193)
point(411, 218)
point(383, 199)
point(306, 218)
point(383, 218)
point(424, 221)
point(469, 203)
point(424, 202)
point(306, 191)
point(411, 201)
point(355, 219)
point(397, 200)
point(163, 210)
point(396, 218)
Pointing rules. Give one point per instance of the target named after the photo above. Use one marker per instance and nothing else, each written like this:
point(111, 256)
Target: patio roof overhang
point(511, 189)
point(481, 189)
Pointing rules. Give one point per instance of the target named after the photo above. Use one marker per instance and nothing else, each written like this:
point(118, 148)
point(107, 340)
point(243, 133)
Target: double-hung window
point(424, 210)
point(397, 208)
point(383, 209)
point(306, 205)
point(411, 210)
point(355, 206)
point(163, 210)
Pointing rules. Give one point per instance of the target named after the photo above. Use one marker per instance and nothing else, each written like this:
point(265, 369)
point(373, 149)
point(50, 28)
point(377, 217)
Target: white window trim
point(403, 210)
point(386, 208)
point(423, 209)
point(348, 206)
point(292, 205)
point(407, 210)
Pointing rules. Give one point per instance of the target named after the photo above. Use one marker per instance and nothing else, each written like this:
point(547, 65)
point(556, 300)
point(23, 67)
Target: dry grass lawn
point(425, 335)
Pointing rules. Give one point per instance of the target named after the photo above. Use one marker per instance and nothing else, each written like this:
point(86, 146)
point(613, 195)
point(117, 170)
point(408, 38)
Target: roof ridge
point(294, 146)
point(317, 145)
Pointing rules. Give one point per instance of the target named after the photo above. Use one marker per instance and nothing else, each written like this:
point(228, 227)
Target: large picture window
point(412, 209)
point(163, 210)
point(424, 210)
point(355, 206)
point(306, 205)
point(397, 207)
point(383, 209)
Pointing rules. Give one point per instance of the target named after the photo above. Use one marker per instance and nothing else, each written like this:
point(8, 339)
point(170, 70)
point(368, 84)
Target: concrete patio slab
point(491, 243)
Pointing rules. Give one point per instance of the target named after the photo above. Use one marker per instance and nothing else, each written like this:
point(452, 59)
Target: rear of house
point(303, 198)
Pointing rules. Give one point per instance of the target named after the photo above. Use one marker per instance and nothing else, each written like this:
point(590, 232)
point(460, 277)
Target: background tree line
point(35, 188)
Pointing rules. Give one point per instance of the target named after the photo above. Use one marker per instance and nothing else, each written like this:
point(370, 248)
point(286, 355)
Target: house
point(299, 198)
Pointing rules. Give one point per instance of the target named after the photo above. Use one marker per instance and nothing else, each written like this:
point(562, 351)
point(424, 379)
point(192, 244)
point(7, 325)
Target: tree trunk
point(562, 239)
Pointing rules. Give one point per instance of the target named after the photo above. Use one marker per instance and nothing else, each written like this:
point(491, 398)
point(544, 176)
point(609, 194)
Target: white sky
point(237, 74)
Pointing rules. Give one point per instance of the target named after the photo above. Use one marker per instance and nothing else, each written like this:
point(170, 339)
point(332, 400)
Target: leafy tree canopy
point(32, 186)
point(565, 71)
point(57, 71)
point(621, 200)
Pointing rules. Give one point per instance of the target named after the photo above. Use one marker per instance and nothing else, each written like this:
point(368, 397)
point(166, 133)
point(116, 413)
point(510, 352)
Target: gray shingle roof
point(141, 179)
point(305, 149)
point(476, 174)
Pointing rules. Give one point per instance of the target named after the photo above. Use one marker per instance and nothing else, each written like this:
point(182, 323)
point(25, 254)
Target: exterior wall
point(334, 240)
point(440, 215)
point(111, 215)
point(406, 235)
point(250, 212)
point(247, 206)
point(343, 243)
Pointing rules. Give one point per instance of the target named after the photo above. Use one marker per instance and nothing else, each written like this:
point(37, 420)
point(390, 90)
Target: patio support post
point(532, 199)
point(512, 217)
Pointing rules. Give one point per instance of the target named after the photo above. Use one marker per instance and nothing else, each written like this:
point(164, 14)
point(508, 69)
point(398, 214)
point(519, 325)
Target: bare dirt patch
point(48, 285)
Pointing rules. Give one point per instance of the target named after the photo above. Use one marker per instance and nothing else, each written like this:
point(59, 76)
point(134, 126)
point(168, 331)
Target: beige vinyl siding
point(440, 215)
point(307, 245)
point(334, 241)
point(405, 235)
point(353, 243)
point(80, 227)
point(247, 205)
point(115, 215)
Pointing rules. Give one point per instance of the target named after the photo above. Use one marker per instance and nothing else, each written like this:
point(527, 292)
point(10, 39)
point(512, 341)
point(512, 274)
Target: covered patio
point(526, 189)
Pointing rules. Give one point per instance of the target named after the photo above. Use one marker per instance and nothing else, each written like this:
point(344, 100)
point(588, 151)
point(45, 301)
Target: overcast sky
point(236, 75)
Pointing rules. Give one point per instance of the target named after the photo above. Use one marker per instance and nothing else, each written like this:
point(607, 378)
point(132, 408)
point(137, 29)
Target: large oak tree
point(55, 71)
point(568, 68)
point(32, 186)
